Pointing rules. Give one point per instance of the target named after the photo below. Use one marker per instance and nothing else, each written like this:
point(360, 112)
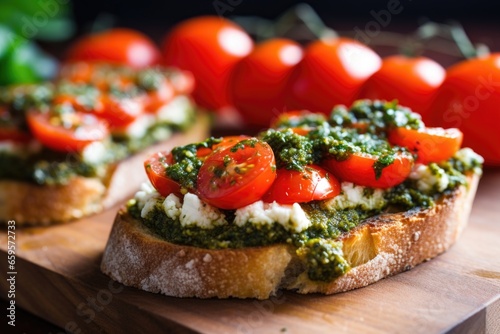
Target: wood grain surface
point(58, 279)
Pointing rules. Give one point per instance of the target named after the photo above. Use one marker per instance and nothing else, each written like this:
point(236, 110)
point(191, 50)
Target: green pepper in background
point(22, 22)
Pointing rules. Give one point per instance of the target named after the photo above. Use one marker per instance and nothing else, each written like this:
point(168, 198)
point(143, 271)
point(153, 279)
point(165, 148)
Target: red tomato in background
point(331, 72)
point(84, 129)
point(358, 169)
point(231, 179)
point(412, 81)
point(119, 46)
point(209, 47)
point(469, 99)
point(430, 144)
point(312, 184)
point(259, 81)
point(155, 166)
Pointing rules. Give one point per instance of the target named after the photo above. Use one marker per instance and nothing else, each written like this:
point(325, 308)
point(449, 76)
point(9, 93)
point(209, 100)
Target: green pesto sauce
point(377, 115)
point(322, 257)
point(44, 168)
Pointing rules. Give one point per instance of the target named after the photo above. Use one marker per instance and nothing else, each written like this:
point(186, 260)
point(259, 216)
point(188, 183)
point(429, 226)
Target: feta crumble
point(172, 206)
point(429, 177)
point(353, 196)
point(196, 212)
point(469, 158)
point(175, 111)
point(291, 217)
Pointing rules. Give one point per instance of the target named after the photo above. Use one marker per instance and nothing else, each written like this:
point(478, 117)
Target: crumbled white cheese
point(176, 111)
point(139, 126)
point(149, 205)
point(172, 206)
point(196, 212)
point(146, 192)
point(429, 178)
point(94, 153)
point(291, 217)
point(353, 196)
point(469, 158)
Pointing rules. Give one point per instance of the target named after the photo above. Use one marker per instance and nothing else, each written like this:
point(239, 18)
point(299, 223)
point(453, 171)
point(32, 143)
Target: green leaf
point(22, 61)
point(47, 19)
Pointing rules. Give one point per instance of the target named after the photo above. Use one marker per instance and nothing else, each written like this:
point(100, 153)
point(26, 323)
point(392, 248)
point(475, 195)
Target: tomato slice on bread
point(156, 166)
point(360, 169)
point(225, 142)
point(237, 175)
point(311, 184)
point(430, 144)
point(66, 133)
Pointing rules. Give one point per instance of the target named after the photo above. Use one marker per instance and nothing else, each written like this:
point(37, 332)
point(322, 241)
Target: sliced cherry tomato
point(155, 167)
point(259, 81)
point(430, 144)
point(331, 72)
point(71, 135)
point(223, 144)
point(468, 100)
point(312, 184)
point(238, 175)
point(209, 47)
point(119, 46)
point(155, 99)
point(359, 169)
point(414, 82)
point(119, 112)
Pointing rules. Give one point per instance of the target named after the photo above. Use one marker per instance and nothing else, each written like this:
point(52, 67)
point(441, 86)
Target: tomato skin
point(226, 142)
point(62, 139)
point(412, 81)
point(118, 46)
point(430, 144)
point(119, 112)
point(209, 47)
point(155, 166)
point(468, 100)
point(259, 83)
point(248, 175)
point(331, 72)
point(154, 100)
point(358, 169)
point(314, 183)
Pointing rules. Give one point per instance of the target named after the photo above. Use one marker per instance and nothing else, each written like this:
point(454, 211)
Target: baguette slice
point(30, 204)
point(380, 247)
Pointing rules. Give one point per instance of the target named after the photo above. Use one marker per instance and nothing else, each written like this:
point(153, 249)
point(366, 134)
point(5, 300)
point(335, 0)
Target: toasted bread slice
point(30, 204)
point(379, 247)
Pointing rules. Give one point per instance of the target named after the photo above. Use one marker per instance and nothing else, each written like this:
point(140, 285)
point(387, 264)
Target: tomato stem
point(291, 22)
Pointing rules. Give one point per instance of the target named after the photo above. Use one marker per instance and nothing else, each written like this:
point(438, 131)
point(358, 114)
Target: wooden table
point(58, 279)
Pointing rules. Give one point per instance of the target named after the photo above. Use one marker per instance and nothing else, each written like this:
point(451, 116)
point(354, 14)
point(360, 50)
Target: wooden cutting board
point(58, 279)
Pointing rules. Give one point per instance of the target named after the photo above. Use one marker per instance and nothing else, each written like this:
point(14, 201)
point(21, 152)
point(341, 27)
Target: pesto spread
point(311, 229)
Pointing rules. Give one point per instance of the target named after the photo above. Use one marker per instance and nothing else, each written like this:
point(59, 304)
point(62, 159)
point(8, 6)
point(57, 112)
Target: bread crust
point(382, 246)
point(31, 204)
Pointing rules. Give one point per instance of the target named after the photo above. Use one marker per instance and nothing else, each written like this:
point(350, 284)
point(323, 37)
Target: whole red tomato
point(469, 99)
point(119, 46)
point(209, 47)
point(331, 72)
point(259, 81)
point(412, 81)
